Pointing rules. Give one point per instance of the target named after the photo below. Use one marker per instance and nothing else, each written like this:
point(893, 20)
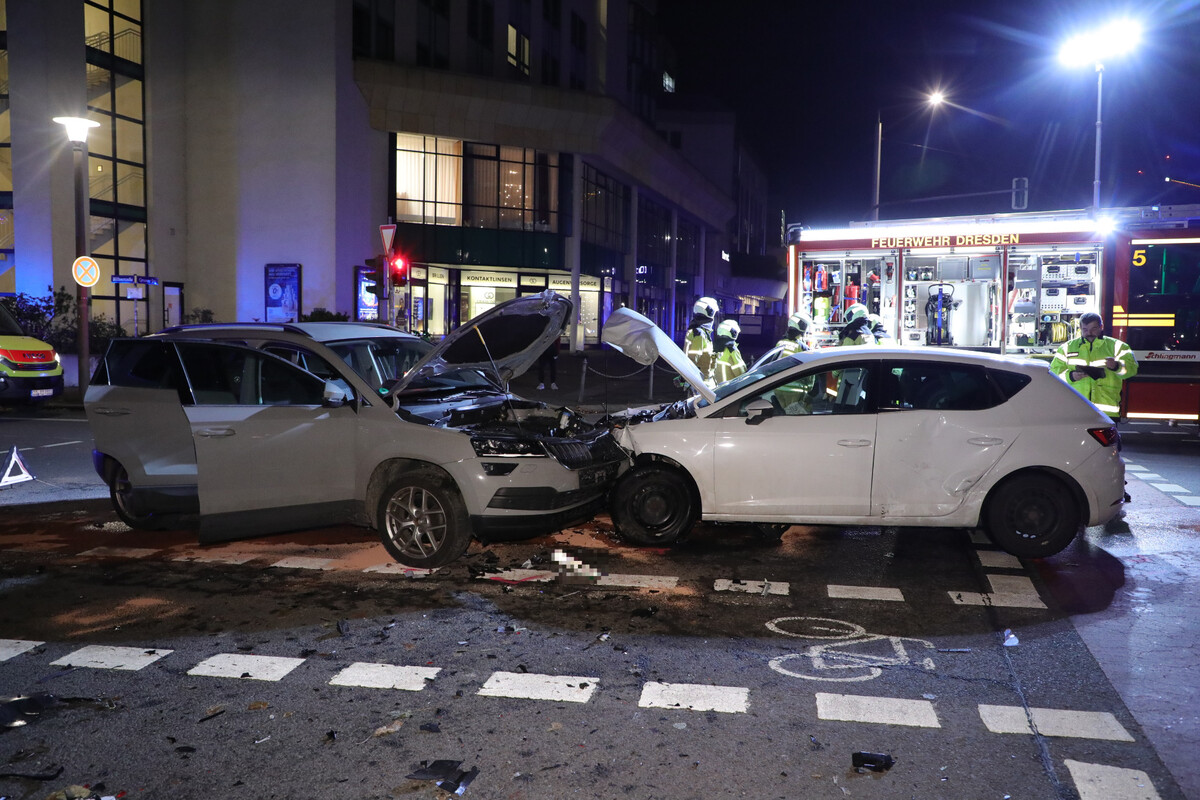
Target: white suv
point(219, 427)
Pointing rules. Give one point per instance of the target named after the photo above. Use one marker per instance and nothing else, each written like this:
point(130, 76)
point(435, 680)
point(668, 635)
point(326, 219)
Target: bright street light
point(77, 132)
point(933, 99)
point(1115, 39)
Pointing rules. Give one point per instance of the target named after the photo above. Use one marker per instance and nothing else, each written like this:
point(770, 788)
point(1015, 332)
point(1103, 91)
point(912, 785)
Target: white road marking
point(61, 444)
point(396, 568)
point(385, 676)
point(696, 697)
point(1012, 584)
point(752, 587)
point(14, 647)
point(522, 576)
point(228, 558)
point(1189, 500)
point(1054, 722)
point(1102, 782)
point(1135, 468)
point(105, 657)
point(304, 562)
point(998, 600)
point(997, 559)
point(120, 552)
point(1170, 488)
point(1149, 476)
point(529, 686)
point(864, 593)
point(883, 710)
point(639, 581)
point(239, 665)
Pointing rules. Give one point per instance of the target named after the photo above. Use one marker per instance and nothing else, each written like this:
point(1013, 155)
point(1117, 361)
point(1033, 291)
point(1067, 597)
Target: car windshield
point(380, 360)
point(752, 377)
point(8, 323)
point(452, 381)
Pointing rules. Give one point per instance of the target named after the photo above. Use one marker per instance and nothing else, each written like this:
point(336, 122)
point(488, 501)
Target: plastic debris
point(18, 711)
point(572, 566)
point(1010, 638)
point(876, 762)
point(446, 773)
point(954, 650)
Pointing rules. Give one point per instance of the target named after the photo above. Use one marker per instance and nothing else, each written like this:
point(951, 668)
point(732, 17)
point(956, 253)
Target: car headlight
point(506, 447)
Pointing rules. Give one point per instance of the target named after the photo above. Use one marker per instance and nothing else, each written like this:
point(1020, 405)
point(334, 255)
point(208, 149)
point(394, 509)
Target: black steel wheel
point(653, 505)
point(1032, 516)
point(120, 491)
point(423, 520)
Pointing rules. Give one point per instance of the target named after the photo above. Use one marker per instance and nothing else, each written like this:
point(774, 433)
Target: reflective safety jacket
point(1103, 386)
point(790, 346)
point(730, 363)
point(699, 349)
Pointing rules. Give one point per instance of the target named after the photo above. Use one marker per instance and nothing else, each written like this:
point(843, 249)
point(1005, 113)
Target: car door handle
point(985, 441)
point(854, 442)
point(215, 433)
point(105, 411)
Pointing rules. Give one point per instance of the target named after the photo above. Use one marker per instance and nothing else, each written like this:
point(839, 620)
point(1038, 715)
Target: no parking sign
point(85, 271)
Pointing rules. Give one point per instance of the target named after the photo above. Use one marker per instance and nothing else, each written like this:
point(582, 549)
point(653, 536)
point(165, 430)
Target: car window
point(235, 376)
point(1009, 383)
point(141, 364)
point(310, 361)
point(935, 386)
point(834, 391)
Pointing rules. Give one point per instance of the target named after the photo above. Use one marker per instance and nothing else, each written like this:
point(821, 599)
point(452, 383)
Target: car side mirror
point(334, 396)
point(759, 410)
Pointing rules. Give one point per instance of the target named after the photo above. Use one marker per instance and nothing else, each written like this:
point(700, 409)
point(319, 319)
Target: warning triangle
point(15, 470)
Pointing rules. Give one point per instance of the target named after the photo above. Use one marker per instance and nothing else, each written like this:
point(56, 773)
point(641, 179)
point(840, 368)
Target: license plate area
point(41, 392)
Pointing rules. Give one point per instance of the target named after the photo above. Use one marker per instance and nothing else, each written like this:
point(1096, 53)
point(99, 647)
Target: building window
point(518, 52)
point(578, 52)
point(433, 34)
point(605, 210)
point(654, 235)
point(448, 182)
point(481, 20)
point(552, 13)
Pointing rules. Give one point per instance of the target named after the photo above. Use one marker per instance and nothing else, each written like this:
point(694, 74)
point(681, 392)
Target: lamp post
point(934, 99)
point(1115, 39)
point(77, 132)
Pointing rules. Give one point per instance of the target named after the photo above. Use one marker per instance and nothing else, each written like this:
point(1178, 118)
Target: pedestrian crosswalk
point(1094, 781)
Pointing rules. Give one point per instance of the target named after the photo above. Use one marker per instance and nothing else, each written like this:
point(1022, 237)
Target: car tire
point(423, 521)
point(653, 505)
point(120, 492)
point(1032, 516)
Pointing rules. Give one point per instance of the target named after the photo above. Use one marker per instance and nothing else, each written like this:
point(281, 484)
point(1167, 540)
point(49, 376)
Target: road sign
point(122, 279)
point(85, 271)
point(388, 232)
point(147, 280)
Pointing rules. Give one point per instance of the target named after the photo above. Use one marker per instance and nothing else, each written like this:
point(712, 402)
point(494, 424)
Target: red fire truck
point(1018, 283)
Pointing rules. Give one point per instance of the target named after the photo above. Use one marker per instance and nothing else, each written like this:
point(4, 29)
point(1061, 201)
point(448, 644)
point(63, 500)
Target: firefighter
point(1096, 365)
point(795, 339)
point(857, 329)
point(699, 341)
point(730, 363)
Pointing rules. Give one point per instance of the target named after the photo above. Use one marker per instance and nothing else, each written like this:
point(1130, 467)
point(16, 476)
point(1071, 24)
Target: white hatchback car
point(238, 438)
point(915, 437)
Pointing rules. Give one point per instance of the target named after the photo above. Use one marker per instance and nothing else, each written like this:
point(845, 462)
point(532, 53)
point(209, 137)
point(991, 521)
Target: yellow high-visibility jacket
point(699, 349)
point(1105, 391)
point(730, 363)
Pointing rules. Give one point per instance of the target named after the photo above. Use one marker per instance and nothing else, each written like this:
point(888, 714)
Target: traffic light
point(1020, 194)
point(378, 274)
point(399, 265)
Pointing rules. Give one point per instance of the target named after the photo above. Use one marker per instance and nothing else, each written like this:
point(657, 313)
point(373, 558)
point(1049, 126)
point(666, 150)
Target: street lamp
point(933, 100)
point(1115, 39)
point(77, 132)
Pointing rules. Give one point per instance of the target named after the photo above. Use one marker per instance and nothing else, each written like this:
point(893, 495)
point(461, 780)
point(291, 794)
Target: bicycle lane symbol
point(848, 654)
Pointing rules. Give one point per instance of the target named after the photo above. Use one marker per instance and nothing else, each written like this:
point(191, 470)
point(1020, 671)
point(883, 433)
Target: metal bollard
point(582, 381)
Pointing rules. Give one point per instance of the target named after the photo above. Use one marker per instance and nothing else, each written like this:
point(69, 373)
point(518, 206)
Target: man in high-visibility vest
point(794, 340)
point(857, 329)
point(730, 363)
point(698, 345)
point(1096, 365)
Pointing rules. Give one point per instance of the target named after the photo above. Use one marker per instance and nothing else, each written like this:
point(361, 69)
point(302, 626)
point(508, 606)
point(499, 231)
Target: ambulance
point(30, 370)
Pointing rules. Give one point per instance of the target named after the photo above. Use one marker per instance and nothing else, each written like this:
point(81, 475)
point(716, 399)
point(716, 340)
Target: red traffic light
point(399, 265)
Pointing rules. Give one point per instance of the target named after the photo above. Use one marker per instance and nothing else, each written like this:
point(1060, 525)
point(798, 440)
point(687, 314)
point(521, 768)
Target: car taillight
point(1105, 436)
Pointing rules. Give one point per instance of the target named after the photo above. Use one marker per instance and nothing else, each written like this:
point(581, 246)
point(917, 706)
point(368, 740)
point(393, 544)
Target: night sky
point(807, 85)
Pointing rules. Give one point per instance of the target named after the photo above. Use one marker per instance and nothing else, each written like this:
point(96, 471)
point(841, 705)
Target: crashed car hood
point(504, 341)
point(643, 341)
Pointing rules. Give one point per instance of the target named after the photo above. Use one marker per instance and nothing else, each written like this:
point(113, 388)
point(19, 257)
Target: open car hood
point(643, 341)
point(503, 341)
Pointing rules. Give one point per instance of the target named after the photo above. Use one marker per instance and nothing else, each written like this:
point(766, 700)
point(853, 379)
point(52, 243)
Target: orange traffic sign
point(85, 271)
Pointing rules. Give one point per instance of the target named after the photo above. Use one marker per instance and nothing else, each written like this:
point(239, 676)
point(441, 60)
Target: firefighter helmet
point(705, 307)
point(799, 322)
point(729, 328)
point(855, 312)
